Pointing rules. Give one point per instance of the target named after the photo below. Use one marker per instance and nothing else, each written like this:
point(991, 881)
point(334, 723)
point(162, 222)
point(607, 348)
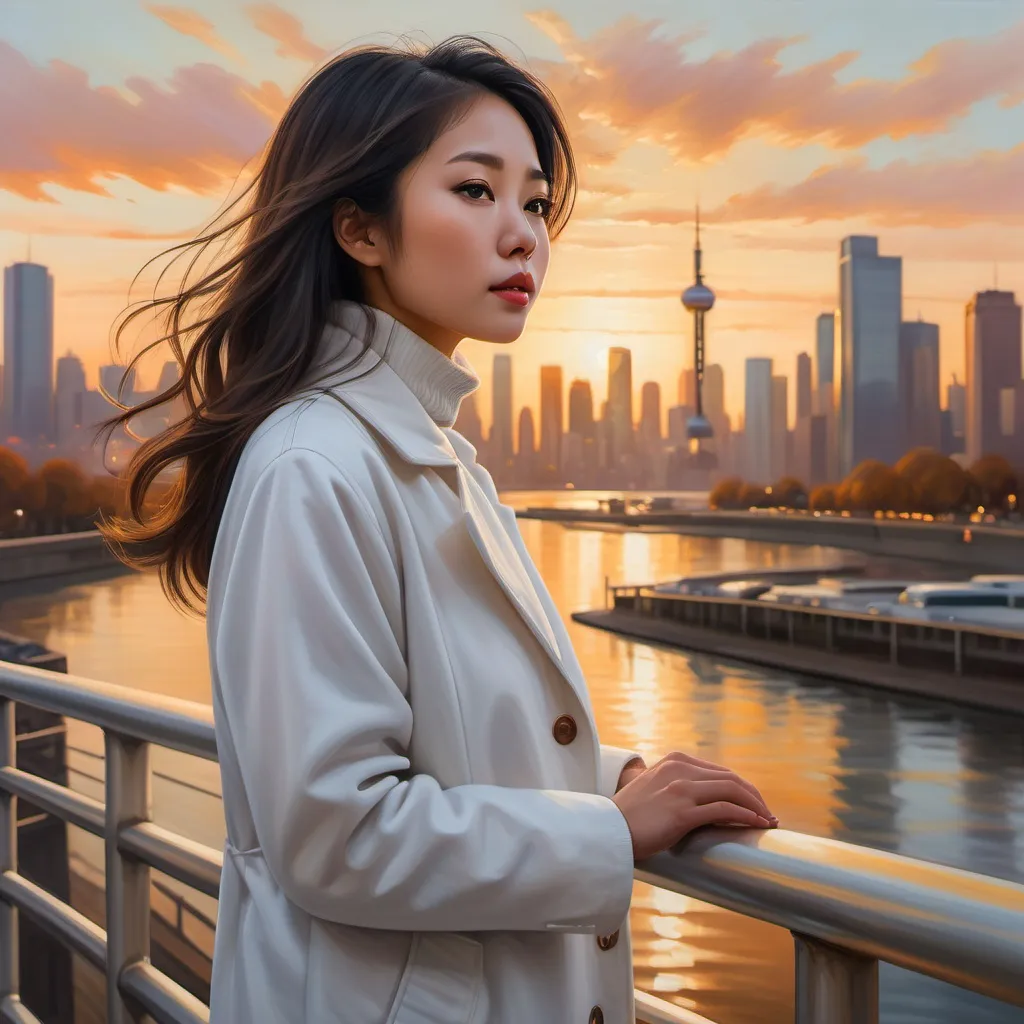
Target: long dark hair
point(245, 334)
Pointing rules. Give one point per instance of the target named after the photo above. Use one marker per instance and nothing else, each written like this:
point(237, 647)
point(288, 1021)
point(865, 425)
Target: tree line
point(56, 498)
point(923, 481)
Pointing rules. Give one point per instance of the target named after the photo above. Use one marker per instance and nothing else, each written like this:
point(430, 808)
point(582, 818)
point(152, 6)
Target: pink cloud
point(287, 31)
point(639, 86)
point(940, 193)
point(194, 132)
point(191, 23)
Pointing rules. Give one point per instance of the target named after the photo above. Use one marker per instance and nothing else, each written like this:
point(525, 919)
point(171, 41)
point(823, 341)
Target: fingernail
point(764, 821)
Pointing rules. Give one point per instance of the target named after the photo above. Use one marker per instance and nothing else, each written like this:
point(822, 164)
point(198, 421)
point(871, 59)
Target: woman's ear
point(357, 233)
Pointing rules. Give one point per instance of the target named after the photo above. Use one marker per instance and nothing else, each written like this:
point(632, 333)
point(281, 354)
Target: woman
point(421, 823)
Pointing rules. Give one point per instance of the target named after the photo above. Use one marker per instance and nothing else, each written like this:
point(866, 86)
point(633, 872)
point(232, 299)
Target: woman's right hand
point(681, 793)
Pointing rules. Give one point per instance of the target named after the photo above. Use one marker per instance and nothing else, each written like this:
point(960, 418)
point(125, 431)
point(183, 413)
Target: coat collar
point(352, 365)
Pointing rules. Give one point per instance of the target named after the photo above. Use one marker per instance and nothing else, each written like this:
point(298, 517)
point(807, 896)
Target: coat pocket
point(443, 982)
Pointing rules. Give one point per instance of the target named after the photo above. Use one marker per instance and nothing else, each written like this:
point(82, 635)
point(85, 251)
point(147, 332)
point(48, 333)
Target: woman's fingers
point(726, 774)
point(729, 790)
point(709, 766)
point(721, 812)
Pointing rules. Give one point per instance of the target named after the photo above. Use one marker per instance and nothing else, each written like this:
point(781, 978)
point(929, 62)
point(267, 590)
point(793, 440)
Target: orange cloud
point(66, 225)
point(625, 84)
point(940, 193)
point(195, 132)
point(191, 23)
point(286, 30)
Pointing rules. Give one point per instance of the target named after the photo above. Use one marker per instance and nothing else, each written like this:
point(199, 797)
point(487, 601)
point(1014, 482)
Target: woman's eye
point(543, 206)
point(474, 191)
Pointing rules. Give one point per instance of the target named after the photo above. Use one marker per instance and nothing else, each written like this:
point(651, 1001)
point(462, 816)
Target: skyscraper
point(581, 409)
point(501, 410)
point(780, 428)
point(993, 358)
point(825, 389)
point(650, 411)
point(804, 390)
point(69, 398)
point(620, 402)
point(551, 420)
point(870, 313)
point(28, 352)
point(757, 420)
point(526, 455)
point(919, 385)
point(804, 408)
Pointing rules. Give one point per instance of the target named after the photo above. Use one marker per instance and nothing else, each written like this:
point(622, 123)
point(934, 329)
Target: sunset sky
point(124, 126)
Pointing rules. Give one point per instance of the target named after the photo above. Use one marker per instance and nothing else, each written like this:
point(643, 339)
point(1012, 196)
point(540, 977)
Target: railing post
point(833, 985)
point(8, 856)
point(830, 633)
point(128, 803)
point(894, 643)
point(958, 652)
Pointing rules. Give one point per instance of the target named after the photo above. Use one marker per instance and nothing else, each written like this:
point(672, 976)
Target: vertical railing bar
point(8, 855)
point(128, 803)
point(833, 984)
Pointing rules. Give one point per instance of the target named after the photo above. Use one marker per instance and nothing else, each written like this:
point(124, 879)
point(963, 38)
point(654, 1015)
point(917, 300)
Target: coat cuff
point(613, 760)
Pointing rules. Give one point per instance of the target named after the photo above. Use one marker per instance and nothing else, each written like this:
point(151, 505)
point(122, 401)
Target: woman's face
point(472, 215)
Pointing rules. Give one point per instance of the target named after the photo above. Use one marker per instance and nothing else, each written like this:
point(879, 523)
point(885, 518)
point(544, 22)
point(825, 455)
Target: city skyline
point(826, 134)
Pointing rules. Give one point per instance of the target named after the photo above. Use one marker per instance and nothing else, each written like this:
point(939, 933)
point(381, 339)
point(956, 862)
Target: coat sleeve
point(613, 760)
point(309, 662)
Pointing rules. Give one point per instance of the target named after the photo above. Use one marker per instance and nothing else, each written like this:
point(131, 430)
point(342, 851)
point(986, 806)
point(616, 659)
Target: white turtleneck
point(439, 383)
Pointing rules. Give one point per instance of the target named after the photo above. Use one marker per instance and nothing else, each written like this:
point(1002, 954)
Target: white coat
point(419, 822)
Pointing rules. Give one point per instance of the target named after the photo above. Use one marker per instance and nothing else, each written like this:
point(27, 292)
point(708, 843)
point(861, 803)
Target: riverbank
point(970, 691)
point(979, 547)
point(60, 554)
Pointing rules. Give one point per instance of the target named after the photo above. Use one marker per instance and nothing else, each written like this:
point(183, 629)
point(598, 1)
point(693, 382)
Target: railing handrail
point(182, 725)
point(977, 629)
point(941, 921)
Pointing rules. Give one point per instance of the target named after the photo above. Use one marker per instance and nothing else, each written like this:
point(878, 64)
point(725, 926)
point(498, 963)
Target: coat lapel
point(379, 397)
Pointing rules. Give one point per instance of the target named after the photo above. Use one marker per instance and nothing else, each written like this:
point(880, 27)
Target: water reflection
point(891, 772)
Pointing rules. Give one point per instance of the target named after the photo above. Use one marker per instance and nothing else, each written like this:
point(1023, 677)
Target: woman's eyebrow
point(494, 161)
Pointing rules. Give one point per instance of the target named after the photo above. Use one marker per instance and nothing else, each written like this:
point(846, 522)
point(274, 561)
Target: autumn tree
point(874, 486)
point(725, 494)
point(789, 493)
point(752, 496)
point(938, 484)
point(14, 479)
point(65, 493)
point(823, 498)
point(995, 480)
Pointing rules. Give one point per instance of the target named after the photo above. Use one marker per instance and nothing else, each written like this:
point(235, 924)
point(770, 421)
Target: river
point(895, 773)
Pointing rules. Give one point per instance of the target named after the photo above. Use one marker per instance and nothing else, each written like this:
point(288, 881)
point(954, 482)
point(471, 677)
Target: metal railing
point(954, 647)
point(847, 907)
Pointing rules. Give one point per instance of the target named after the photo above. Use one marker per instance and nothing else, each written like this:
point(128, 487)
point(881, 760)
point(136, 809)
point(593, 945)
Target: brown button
point(597, 1015)
point(564, 729)
point(607, 941)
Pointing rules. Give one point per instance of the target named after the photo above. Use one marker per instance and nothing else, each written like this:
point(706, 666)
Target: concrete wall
point(30, 558)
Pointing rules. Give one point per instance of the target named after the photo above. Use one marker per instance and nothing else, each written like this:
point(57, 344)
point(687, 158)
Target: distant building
point(919, 385)
point(804, 408)
point(757, 420)
point(993, 358)
point(870, 314)
point(780, 428)
point(551, 422)
point(69, 400)
point(501, 447)
point(620, 403)
point(650, 412)
point(28, 352)
point(526, 453)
